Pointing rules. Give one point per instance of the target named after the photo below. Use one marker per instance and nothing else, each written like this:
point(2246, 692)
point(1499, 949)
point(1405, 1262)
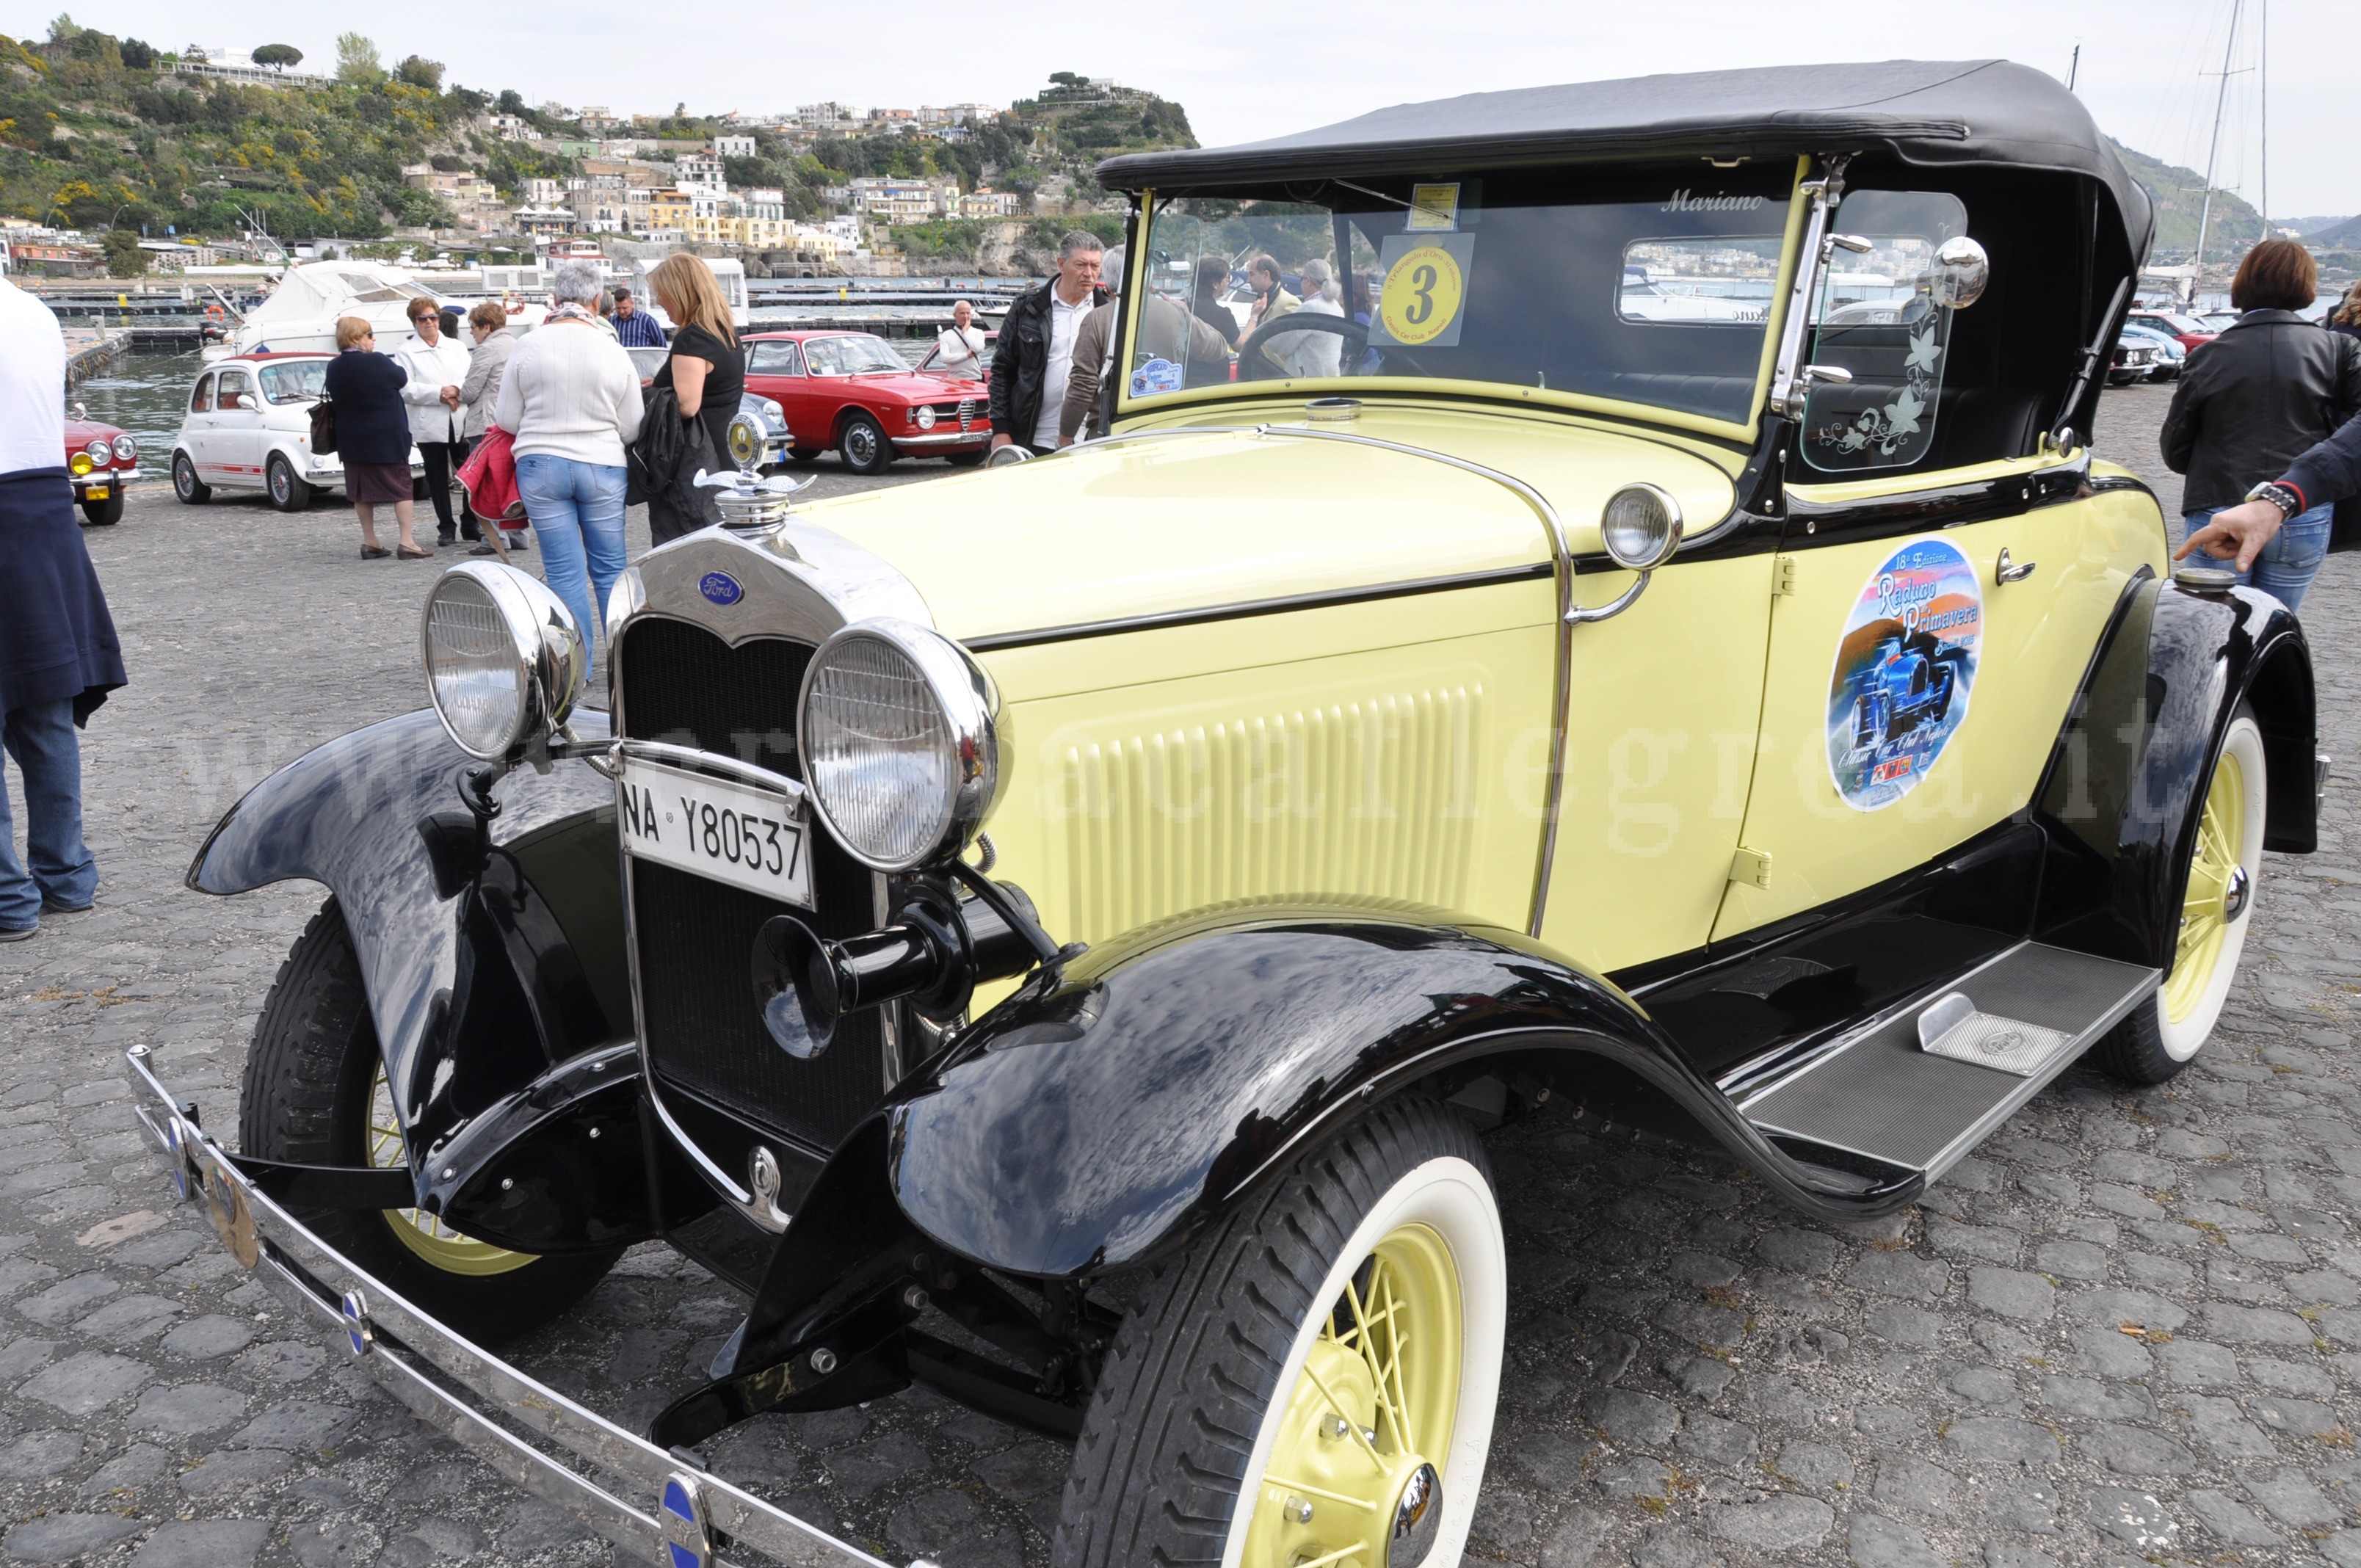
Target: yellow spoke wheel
point(2217, 889)
point(421, 1233)
point(1367, 1430)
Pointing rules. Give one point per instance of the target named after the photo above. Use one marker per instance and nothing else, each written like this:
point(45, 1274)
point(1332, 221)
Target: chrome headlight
point(503, 657)
point(1641, 527)
point(99, 451)
point(899, 742)
point(774, 413)
point(125, 448)
point(925, 416)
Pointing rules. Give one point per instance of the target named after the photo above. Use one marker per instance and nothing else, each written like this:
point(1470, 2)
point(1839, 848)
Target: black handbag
point(324, 425)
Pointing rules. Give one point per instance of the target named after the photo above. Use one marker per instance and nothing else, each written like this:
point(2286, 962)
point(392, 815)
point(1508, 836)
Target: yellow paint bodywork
point(1660, 745)
point(1393, 748)
point(2038, 636)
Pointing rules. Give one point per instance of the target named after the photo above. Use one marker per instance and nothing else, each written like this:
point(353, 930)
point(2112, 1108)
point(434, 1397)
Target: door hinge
point(1783, 575)
point(1751, 868)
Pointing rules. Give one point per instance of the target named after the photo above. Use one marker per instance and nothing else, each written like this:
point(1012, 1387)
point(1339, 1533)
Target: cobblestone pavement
point(2128, 1331)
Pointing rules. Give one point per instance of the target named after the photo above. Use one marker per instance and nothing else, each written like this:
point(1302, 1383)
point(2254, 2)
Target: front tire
point(863, 447)
point(2224, 873)
point(287, 492)
point(1281, 1391)
point(192, 492)
point(105, 513)
point(313, 1094)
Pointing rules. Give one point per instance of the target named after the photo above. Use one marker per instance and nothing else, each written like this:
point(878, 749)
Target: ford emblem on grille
point(721, 588)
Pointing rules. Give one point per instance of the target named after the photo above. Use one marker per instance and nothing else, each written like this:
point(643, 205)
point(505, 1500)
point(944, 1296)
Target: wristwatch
point(2285, 496)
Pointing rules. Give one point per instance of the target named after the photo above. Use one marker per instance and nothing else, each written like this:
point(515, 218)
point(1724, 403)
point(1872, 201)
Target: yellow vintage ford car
point(1635, 627)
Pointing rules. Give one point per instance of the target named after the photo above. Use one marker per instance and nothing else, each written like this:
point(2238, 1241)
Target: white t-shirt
point(960, 351)
point(33, 383)
point(1065, 320)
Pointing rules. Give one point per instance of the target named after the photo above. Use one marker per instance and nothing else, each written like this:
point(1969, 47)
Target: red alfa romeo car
point(101, 460)
point(851, 391)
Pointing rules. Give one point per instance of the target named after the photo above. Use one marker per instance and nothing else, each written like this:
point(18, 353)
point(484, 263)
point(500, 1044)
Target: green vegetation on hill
point(2180, 196)
point(97, 131)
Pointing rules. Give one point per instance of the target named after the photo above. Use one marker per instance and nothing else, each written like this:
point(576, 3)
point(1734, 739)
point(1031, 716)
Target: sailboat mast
point(2213, 149)
point(2262, 100)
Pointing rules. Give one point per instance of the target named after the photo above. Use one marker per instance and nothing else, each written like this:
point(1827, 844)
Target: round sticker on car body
point(1905, 665)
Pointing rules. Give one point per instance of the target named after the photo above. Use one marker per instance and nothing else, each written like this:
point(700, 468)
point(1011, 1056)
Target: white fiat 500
point(249, 425)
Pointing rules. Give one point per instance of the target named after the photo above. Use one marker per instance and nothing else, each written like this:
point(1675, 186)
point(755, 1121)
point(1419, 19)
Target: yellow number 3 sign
point(1423, 294)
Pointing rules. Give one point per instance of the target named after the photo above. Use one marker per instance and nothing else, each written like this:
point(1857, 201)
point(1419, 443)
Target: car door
point(197, 425)
point(774, 370)
point(1937, 594)
point(238, 428)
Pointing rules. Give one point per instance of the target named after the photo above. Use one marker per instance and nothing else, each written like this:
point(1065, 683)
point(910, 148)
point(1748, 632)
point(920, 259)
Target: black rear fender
point(2120, 800)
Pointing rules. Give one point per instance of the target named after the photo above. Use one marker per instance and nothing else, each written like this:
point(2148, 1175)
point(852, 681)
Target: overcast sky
point(1250, 70)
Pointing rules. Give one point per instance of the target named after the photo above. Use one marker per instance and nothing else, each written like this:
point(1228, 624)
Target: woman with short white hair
point(571, 398)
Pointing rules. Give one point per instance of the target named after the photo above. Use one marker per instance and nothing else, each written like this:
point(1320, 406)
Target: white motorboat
point(303, 312)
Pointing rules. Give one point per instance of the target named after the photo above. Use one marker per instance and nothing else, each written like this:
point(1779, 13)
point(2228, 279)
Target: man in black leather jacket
point(1034, 353)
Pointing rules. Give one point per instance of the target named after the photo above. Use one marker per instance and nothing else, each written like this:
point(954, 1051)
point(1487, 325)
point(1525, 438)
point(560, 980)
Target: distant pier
point(92, 349)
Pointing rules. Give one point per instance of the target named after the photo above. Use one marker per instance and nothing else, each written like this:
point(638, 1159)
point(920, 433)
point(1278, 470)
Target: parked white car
point(248, 426)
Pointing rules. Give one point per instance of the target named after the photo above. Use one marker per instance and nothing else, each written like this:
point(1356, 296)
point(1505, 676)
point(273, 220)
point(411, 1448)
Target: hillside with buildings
point(119, 155)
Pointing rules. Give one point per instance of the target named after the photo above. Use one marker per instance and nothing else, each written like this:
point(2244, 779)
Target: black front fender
point(1172, 1072)
point(487, 957)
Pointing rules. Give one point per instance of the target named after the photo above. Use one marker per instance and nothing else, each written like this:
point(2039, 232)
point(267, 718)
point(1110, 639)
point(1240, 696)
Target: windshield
point(1643, 286)
point(848, 355)
point(297, 383)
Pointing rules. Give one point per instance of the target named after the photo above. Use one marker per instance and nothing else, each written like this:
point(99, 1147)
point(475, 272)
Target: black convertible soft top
point(1991, 112)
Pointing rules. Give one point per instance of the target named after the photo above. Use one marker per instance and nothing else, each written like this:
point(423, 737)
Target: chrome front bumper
point(105, 476)
point(689, 1516)
point(929, 441)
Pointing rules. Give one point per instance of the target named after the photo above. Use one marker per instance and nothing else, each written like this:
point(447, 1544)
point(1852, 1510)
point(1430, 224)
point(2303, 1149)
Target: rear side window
point(233, 390)
point(299, 382)
point(1877, 319)
point(201, 399)
point(770, 359)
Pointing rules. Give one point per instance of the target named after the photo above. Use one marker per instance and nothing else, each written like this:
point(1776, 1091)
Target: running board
point(1891, 1095)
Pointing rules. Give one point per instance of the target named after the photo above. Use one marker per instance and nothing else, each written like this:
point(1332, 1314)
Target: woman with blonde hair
point(372, 434)
point(707, 370)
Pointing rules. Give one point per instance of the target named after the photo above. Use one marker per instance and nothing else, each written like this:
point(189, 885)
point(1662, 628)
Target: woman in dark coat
point(372, 434)
point(2253, 399)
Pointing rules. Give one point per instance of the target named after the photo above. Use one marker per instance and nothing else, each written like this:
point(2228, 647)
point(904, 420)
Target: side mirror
point(78, 411)
point(1961, 271)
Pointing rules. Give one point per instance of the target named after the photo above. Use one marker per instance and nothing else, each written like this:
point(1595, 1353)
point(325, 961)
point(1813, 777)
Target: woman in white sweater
point(436, 365)
point(571, 398)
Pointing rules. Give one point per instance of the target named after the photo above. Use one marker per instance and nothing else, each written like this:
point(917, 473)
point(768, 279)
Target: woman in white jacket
point(438, 367)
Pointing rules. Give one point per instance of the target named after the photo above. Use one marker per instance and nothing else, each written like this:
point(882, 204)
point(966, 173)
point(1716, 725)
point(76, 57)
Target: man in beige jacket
point(1170, 342)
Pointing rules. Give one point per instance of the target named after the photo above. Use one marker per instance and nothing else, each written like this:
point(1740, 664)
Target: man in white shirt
point(59, 653)
point(1035, 352)
point(959, 347)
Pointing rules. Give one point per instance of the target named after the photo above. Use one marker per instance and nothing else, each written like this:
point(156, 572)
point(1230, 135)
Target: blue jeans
point(2288, 563)
point(578, 510)
point(40, 737)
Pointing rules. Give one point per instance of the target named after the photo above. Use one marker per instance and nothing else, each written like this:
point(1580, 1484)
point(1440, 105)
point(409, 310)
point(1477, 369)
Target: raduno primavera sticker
point(1905, 665)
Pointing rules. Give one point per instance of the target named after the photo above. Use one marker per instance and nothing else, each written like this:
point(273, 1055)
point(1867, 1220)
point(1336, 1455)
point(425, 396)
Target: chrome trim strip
point(713, 1173)
point(415, 1358)
point(694, 761)
point(993, 642)
point(1790, 387)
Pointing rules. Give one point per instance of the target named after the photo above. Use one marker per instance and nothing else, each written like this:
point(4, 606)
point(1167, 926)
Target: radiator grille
point(696, 938)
